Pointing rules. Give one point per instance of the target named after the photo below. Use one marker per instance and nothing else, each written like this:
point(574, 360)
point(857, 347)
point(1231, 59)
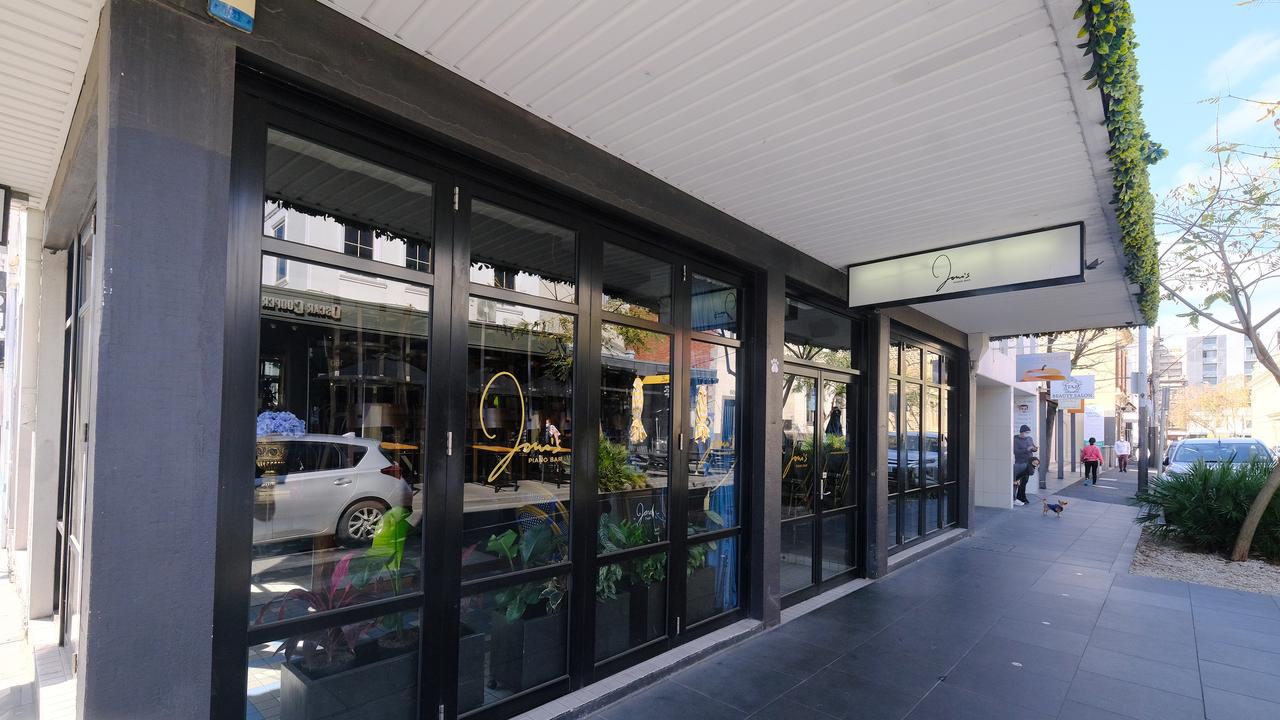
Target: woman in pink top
point(1091, 456)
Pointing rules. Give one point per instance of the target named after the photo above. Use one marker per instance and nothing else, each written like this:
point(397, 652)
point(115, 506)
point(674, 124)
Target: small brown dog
point(1056, 507)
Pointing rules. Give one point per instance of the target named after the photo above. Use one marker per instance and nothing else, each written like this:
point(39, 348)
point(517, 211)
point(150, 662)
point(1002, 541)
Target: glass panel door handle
point(822, 485)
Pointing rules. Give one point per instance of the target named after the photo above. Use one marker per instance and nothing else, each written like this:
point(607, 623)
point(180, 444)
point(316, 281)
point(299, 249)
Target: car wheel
point(360, 522)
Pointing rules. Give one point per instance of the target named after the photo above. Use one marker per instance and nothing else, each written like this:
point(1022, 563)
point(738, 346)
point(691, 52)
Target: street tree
point(1221, 410)
point(1221, 261)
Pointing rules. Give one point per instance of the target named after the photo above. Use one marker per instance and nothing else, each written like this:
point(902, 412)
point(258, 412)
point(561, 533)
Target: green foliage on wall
point(1108, 37)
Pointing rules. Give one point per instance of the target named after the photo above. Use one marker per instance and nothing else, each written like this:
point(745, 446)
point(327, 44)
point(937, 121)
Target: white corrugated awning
point(44, 48)
point(849, 130)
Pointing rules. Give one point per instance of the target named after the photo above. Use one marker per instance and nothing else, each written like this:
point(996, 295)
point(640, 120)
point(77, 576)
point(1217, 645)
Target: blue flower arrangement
point(280, 423)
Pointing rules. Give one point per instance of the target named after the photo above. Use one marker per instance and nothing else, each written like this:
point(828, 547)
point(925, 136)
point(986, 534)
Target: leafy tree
point(1219, 409)
point(1222, 260)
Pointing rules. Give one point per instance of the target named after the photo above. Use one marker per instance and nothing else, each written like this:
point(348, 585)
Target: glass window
point(911, 437)
point(631, 604)
point(910, 522)
point(633, 462)
point(911, 361)
point(511, 639)
point(932, 466)
point(711, 585)
point(713, 433)
point(895, 356)
point(837, 544)
point(328, 199)
point(836, 471)
point(891, 442)
point(341, 431)
point(817, 335)
point(934, 367)
point(796, 566)
point(715, 306)
point(636, 285)
point(799, 407)
point(367, 668)
point(519, 252)
point(518, 447)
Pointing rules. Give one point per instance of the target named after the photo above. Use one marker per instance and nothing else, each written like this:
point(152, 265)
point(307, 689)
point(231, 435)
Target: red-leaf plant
point(332, 647)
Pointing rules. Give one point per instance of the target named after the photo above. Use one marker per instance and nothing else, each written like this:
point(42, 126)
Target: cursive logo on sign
point(942, 271)
point(520, 445)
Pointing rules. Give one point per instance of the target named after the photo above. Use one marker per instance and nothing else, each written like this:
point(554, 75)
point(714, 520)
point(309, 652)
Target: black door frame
point(261, 102)
point(957, 455)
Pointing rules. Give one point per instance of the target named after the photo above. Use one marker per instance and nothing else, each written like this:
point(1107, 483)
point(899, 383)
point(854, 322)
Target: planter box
point(470, 669)
point(648, 613)
point(700, 591)
point(528, 652)
point(613, 624)
point(386, 688)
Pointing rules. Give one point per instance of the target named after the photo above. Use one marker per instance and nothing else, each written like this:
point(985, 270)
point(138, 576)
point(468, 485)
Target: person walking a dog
point(1091, 456)
point(1023, 448)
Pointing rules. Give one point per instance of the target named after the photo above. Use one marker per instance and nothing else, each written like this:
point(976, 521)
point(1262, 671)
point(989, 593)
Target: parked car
point(326, 485)
point(1237, 451)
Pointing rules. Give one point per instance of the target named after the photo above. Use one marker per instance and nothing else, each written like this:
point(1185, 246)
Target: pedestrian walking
point(1122, 454)
point(1023, 448)
point(1091, 456)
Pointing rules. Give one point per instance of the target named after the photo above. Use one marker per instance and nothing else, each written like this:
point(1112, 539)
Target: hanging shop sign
point(1037, 367)
point(1040, 258)
point(1076, 387)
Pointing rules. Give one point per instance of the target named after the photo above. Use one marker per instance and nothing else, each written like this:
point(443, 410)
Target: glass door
point(79, 377)
point(819, 496)
point(923, 488)
point(821, 492)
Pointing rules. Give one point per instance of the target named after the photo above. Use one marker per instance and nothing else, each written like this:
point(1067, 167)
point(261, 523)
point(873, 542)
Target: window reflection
point(633, 457)
point(817, 335)
point(518, 448)
point(891, 442)
point(328, 199)
point(715, 306)
point(511, 639)
point(515, 251)
point(341, 430)
point(362, 669)
point(636, 285)
point(712, 446)
point(932, 468)
point(798, 412)
point(836, 470)
point(711, 585)
point(631, 604)
point(796, 559)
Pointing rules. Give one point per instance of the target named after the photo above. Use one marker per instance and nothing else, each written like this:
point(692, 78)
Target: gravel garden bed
point(1166, 559)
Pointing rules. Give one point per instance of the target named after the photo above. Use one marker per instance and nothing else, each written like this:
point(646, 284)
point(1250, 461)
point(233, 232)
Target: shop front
point(459, 412)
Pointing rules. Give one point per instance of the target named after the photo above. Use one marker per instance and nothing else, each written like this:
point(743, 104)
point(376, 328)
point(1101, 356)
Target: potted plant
point(613, 468)
point(613, 612)
point(527, 638)
point(383, 563)
point(335, 673)
point(700, 585)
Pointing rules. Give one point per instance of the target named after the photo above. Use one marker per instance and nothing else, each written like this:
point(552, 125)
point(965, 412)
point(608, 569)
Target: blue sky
point(1190, 50)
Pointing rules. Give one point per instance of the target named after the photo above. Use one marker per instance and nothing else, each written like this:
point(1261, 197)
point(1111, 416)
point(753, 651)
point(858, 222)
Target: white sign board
point(1076, 387)
point(1024, 413)
point(1094, 426)
point(1037, 367)
point(1052, 256)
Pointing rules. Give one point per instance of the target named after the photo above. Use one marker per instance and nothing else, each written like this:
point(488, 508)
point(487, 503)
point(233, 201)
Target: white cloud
point(1240, 62)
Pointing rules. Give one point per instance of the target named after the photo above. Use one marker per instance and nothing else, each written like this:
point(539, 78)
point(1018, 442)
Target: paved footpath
point(17, 669)
point(1032, 618)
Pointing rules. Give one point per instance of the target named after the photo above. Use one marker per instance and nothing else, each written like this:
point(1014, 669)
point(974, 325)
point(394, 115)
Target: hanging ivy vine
point(1108, 36)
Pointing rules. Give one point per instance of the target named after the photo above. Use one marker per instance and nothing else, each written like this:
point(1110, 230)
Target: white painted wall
point(993, 483)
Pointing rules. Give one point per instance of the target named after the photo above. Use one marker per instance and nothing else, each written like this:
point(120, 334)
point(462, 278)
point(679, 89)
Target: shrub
point(1205, 506)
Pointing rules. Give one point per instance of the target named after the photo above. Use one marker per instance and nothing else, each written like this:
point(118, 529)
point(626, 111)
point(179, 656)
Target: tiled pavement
point(17, 670)
point(1032, 618)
